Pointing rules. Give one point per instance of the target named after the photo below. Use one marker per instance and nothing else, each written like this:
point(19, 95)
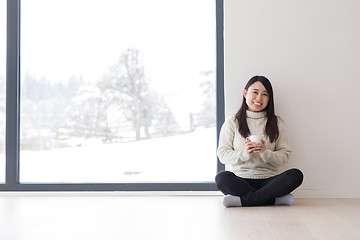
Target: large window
point(2, 87)
point(118, 91)
point(113, 94)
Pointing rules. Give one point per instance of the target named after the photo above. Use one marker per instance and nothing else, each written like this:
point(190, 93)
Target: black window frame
point(12, 141)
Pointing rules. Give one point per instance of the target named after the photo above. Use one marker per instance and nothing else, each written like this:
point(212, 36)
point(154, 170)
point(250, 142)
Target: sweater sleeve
point(282, 152)
point(226, 152)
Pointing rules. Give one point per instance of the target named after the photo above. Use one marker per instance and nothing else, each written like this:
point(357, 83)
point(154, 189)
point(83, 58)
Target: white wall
point(310, 51)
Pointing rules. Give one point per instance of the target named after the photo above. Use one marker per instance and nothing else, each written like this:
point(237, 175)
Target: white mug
point(255, 138)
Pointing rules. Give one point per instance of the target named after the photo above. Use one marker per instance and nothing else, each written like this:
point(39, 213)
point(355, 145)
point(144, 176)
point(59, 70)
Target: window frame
point(12, 141)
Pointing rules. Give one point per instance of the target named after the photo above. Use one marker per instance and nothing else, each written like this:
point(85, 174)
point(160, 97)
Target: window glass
point(118, 91)
point(2, 87)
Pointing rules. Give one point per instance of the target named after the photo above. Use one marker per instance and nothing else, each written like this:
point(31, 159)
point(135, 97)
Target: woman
point(252, 177)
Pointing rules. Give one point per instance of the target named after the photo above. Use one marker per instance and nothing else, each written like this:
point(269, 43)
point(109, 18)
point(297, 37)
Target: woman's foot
point(284, 200)
point(231, 201)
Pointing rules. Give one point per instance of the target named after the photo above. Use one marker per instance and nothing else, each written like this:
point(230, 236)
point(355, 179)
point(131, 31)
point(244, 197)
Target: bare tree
point(207, 117)
point(126, 86)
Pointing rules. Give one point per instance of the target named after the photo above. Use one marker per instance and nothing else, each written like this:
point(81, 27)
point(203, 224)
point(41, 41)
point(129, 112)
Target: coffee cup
point(255, 138)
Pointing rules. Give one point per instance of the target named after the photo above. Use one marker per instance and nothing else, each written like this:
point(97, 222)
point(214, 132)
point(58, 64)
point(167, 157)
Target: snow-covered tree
point(126, 87)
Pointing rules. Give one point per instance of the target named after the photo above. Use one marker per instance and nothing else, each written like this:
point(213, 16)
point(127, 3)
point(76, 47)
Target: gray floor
point(117, 216)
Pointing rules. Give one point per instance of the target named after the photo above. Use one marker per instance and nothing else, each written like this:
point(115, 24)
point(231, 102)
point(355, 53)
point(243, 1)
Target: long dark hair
point(271, 128)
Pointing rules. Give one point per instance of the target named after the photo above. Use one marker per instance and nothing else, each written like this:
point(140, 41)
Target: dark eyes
point(265, 94)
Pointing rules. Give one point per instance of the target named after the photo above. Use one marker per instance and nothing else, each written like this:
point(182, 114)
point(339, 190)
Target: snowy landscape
point(133, 105)
point(182, 158)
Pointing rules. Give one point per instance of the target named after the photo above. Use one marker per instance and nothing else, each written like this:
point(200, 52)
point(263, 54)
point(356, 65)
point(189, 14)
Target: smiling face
point(257, 98)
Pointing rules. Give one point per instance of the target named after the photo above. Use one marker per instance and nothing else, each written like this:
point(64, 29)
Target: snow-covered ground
point(182, 158)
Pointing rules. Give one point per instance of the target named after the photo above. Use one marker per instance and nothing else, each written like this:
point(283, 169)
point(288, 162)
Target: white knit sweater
point(231, 150)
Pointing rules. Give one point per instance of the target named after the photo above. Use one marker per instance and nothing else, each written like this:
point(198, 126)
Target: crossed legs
point(257, 192)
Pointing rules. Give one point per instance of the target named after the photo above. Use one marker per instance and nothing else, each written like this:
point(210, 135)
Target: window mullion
point(12, 93)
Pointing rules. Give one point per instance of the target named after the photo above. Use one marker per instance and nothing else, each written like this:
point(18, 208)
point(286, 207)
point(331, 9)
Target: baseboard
point(327, 193)
point(298, 193)
point(113, 193)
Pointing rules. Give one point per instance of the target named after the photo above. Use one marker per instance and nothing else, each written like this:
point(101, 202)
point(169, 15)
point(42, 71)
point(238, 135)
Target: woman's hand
point(254, 147)
point(260, 147)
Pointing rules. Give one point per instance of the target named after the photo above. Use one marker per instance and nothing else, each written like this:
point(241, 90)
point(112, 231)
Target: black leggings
point(258, 192)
